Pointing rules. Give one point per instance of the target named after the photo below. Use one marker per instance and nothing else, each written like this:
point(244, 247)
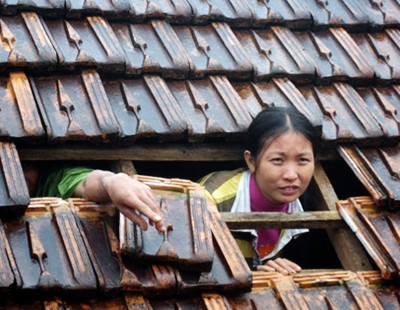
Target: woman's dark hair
point(271, 122)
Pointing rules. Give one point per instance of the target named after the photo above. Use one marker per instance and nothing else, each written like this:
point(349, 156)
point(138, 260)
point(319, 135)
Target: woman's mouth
point(289, 190)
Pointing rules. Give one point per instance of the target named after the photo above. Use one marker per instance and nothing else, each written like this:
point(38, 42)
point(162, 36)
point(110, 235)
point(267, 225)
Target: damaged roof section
point(377, 230)
point(197, 253)
point(378, 170)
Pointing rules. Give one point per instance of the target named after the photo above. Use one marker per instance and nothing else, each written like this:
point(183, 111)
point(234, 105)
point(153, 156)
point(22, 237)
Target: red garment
point(267, 237)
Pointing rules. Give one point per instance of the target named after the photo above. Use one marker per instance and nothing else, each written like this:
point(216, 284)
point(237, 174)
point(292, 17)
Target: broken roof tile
point(336, 55)
point(346, 115)
point(378, 169)
point(25, 42)
point(212, 107)
point(146, 108)
point(75, 107)
point(87, 42)
point(276, 52)
point(153, 48)
point(214, 49)
point(377, 230)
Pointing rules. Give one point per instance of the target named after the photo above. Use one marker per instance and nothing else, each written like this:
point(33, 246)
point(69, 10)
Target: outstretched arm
point(126, 193)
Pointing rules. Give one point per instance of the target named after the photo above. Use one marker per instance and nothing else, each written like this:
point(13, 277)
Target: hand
point(130, 196)
point(281, 265)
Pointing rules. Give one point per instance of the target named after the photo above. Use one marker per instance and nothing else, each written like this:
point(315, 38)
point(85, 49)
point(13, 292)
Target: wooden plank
point(348, 249)
point(152, 152)
point(312, 220)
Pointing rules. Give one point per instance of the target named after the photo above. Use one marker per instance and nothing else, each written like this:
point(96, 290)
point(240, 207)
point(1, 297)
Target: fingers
point(133, 216)
point(283, 266)
point(131, 195)
point(265, 268)
point(144, 202)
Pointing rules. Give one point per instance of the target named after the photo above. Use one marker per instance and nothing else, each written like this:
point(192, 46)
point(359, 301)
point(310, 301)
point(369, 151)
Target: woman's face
point(285, 167)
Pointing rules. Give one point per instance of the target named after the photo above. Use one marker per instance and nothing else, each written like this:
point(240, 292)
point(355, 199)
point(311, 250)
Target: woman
point(281, 147)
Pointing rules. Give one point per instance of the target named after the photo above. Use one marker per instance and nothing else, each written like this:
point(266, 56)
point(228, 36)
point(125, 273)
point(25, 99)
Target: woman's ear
point(249, 161)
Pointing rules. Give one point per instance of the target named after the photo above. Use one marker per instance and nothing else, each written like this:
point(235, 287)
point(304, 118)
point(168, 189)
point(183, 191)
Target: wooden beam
point(125, 166)
point(151, 152)
point(348, 248)
point(312, 220)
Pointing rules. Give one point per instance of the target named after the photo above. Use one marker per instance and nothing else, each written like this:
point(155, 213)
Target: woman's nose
point(290, 173)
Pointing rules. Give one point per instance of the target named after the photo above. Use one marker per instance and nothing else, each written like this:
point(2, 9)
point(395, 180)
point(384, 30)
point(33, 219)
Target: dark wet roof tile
point(54, 8)
point(336, 55)
point(20, 117)
point(87, 42)
point(378, 170)
point(278, 92)
point(186, 244)
point(25, 42)
point(175, 10)
point(146, 108)
point(276, 52)
point(75, 107)
point(377, 230)
point(14, 196)
point(235, 11)
point(346, 115)
point(108, 8)
point(353, 13)
point(212, 107)
point(386, 45)
point(215, 49)
point(294, 13)
point(153, 48)
point(383, 102)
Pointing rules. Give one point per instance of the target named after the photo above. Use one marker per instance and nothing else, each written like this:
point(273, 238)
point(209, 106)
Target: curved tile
point(153, 48)
point(87, 42)
point(214, 49)
point(75, 107)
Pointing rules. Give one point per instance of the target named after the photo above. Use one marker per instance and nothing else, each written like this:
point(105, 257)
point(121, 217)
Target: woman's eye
point(304, 160)
point(277, 160)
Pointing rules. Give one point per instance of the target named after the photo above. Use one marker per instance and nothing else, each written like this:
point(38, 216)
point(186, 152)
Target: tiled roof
point(130, 63)
point(120, 73)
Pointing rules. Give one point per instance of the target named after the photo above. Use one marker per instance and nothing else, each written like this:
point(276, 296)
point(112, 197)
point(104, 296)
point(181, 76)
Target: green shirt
point(61, 182)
